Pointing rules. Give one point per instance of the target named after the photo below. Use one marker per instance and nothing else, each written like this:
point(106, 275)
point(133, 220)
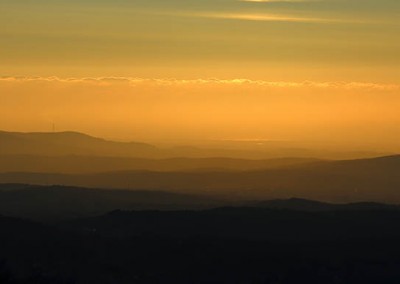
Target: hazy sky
point(323, 69)
point(354, 40)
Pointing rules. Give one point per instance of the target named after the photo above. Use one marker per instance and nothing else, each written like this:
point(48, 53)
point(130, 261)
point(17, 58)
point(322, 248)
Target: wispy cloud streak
point(271, 18)
point(211, 81)
point(279, 1)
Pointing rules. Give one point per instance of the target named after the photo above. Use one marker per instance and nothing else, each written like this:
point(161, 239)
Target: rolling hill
point(47, 203)
point(54, 203)
point(74, 143)
point(74, 164)
point(69, 143)
point(375, 180)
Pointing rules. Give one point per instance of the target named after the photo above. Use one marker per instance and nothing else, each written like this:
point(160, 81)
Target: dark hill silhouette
point(299, 204)
point(246, 223)
point(227, 245)
point(53, 203)
point(59, 202)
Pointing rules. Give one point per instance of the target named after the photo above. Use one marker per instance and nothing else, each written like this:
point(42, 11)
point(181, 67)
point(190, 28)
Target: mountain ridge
point(68, 143)
point(334, 181)
point(72, 142)
point(47, 203)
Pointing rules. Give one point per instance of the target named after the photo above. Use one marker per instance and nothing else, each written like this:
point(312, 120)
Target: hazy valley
point(78, 209)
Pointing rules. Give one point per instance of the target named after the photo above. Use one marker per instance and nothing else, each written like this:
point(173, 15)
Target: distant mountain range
point(78, 160)
point(79, 144)
point(375, 180)
point(68, 143)
point(74, 164)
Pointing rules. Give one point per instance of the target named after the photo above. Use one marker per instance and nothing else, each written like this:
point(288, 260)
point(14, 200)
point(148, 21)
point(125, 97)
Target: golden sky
point(290, 70)
point(356, 114)
point(323, 40)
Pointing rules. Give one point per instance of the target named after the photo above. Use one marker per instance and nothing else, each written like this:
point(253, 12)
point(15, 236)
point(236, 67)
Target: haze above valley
point(76, 159)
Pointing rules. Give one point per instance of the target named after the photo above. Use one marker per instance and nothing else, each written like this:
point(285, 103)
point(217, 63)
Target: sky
point(330, 40)
point(152, 69)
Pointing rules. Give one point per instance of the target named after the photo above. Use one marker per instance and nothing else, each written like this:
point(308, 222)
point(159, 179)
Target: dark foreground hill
point(247, 223)
point(226, 245)
point(299, 204)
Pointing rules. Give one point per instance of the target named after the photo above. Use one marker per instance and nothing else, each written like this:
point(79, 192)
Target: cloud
point(133, 81)
point(261, 17)
point(271, 18)
point(279, 1)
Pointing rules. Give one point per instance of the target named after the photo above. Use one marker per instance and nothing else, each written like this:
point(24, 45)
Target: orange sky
point(322, 70)
point(168, 109)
